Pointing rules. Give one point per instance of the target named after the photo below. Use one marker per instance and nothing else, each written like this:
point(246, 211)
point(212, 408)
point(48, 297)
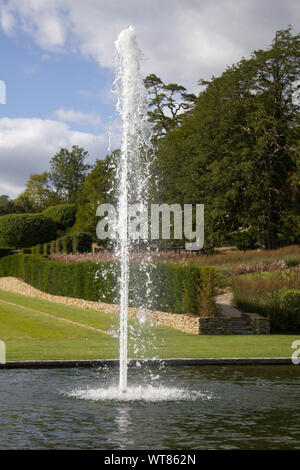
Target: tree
point(6, 205)
point(167, 103)
point(237, 150)
point(96, 189)
point(68, 172)
point(22, 205)
point(38, 192)
point(274, 129)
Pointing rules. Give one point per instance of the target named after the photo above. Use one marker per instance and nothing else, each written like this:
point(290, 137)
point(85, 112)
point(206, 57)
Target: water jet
point(132, 171)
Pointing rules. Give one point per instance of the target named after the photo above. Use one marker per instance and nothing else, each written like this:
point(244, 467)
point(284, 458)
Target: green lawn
point(30, 335)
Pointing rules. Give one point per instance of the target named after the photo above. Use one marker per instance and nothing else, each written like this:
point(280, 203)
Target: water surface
point(185, 408)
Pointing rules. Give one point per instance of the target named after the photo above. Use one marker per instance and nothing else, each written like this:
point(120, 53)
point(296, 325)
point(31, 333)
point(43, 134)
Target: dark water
point(218, 408)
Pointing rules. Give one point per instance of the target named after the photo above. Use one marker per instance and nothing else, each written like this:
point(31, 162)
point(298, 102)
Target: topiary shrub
point(82, 242)
point(53, 247)
point(37, 249)
point(26, 230)
point(63, 215)
point(67, 244)
point(46, 249)
point(58, 245)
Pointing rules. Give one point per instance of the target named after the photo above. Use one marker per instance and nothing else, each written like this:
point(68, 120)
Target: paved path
point(224, 302)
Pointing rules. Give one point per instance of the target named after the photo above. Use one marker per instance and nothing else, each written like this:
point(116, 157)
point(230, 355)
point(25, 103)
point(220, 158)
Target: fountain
point(234, 407)
point(133, 166)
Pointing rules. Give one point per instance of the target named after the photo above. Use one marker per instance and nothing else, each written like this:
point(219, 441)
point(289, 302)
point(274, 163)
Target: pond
point(208, 407)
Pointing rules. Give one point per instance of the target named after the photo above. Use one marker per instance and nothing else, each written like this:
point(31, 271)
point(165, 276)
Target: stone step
point(241, 326)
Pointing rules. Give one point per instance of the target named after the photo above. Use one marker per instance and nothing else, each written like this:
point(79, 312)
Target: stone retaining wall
point(260, 325)
point(229, 326)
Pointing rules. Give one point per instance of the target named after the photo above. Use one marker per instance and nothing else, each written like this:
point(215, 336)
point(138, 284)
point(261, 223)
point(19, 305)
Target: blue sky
point(57, 60)
point(39, 83)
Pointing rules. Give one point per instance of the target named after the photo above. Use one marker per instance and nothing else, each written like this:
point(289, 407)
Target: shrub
point(290, 308)
point(177, 289)
point(37, 249)
point(46, 249)
point(245, 240)
point(58, 245)
point(26, 230)
point(82, 242)
point(53, 247)
point(63, 215)
point(67, 244)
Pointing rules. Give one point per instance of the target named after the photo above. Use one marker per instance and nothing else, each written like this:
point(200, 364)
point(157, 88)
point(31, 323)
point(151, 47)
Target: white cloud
point(70, 115)
point(7, 19)
point(26, 146)
point(181, 41)
point(42, 19)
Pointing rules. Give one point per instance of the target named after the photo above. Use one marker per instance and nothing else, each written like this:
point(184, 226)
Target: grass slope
point(30, 335)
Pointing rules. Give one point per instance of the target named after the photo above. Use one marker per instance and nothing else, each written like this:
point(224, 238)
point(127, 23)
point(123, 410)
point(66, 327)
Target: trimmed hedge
point(26, 230)
point(46, 249)
point(176, 288)
point(77, 243)
point(67, 244)
point(63, 215)
point(37, 249)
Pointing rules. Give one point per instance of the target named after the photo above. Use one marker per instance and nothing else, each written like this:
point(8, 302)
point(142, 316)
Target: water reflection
point(121, 436)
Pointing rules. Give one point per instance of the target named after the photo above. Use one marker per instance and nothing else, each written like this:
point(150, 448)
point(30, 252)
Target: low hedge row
point(77, 243)
point(165, 287)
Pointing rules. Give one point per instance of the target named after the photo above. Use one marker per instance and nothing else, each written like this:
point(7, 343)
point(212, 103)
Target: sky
point(57, 63)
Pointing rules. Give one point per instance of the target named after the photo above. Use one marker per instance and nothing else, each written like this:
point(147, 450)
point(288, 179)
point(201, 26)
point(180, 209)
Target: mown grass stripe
point(57, 318)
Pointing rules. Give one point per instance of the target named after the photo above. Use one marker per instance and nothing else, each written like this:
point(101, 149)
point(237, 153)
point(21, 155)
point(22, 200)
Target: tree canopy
point(237, 151)
point(68, 172)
